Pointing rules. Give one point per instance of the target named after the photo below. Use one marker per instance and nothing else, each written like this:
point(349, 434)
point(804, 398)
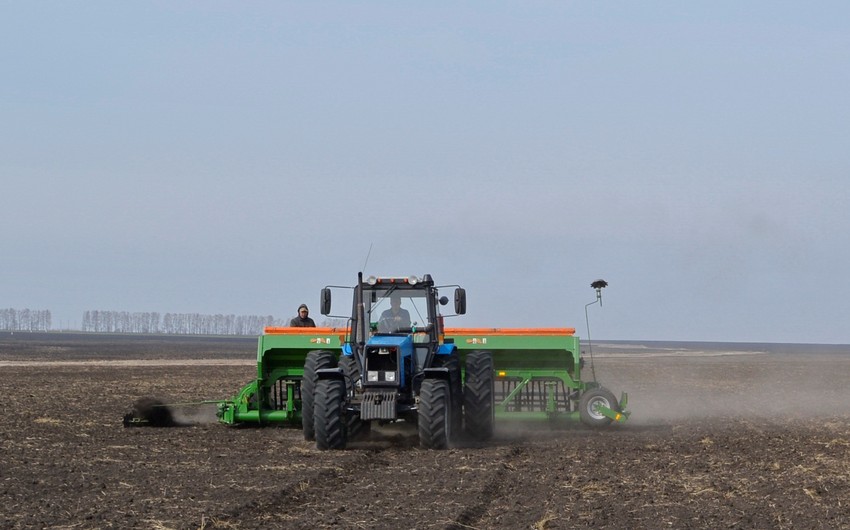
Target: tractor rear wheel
point(329, 414)
point(316, 360)
point(435, 425)
point(357, 428)
point(479, 396)
point(590, 400)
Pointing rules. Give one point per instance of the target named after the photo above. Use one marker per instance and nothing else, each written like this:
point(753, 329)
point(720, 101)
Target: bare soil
point(749, 440)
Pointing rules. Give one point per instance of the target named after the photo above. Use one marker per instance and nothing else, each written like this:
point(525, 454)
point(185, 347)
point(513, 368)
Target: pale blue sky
point(217, 157)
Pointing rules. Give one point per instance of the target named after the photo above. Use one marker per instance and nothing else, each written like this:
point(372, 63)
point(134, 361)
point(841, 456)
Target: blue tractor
point(396, 365)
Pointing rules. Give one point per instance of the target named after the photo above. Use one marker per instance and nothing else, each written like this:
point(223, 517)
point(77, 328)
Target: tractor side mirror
point(443, 300)
point(326, 301)
point(460, 301)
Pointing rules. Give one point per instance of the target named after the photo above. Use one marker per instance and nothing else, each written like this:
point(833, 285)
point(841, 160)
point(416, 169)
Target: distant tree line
point(175, 323)
point(25, 320)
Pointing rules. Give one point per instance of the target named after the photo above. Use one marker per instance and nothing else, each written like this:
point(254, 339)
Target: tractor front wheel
point(435, 425)
point(452, 363)
point(329, 414)
point(357, 428)
point(590, 401)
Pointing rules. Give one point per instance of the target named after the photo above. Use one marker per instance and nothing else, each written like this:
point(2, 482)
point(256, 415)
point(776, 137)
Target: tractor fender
point(437, 373)
point(330, 373)
point(446, 349)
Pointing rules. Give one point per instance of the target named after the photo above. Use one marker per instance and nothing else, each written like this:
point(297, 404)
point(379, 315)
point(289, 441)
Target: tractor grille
point(533, 397)
point(379, 405)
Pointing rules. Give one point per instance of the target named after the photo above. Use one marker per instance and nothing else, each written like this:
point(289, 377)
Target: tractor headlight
point(412, 280)
point(371, 280)
point(378, 376)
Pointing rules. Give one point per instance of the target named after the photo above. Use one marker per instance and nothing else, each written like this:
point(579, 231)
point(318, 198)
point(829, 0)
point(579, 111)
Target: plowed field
point(720, 437)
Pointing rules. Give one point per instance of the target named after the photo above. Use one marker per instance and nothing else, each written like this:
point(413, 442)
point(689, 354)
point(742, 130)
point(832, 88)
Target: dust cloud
point(194, 414)
point(711, 386)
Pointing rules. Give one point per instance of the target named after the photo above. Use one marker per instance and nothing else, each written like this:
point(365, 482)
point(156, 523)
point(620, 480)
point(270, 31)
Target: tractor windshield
point(395, 310)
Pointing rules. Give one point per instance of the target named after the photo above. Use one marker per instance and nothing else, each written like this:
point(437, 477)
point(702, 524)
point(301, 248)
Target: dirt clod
point(149, 412)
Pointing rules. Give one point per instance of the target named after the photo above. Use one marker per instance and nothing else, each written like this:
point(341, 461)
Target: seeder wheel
point(589, 403)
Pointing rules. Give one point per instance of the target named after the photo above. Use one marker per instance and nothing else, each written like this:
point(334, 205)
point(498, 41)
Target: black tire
point(479, 405)
point(435, 423)
point(452, 362)
point(357, 428)
point(329, 414)
point(316, 360)
point(590, 400)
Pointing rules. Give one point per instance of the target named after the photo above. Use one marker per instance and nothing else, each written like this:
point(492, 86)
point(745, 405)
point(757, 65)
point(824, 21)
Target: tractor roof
point(399, 282)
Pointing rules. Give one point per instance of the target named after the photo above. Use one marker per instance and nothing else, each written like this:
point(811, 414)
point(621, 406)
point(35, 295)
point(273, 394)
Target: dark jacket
point(299, 322)
point(392, 322)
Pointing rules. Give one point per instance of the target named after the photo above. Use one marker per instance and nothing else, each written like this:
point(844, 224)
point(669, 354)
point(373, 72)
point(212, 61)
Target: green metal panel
point(274, 397)
point(537, 371)
point(285, 353)
point(527, 352)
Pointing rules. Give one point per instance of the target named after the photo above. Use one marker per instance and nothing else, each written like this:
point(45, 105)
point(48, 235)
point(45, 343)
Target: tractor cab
point(396, 327)
point(403, 313)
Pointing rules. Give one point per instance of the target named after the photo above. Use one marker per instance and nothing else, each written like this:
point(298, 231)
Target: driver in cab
point(395, 318)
